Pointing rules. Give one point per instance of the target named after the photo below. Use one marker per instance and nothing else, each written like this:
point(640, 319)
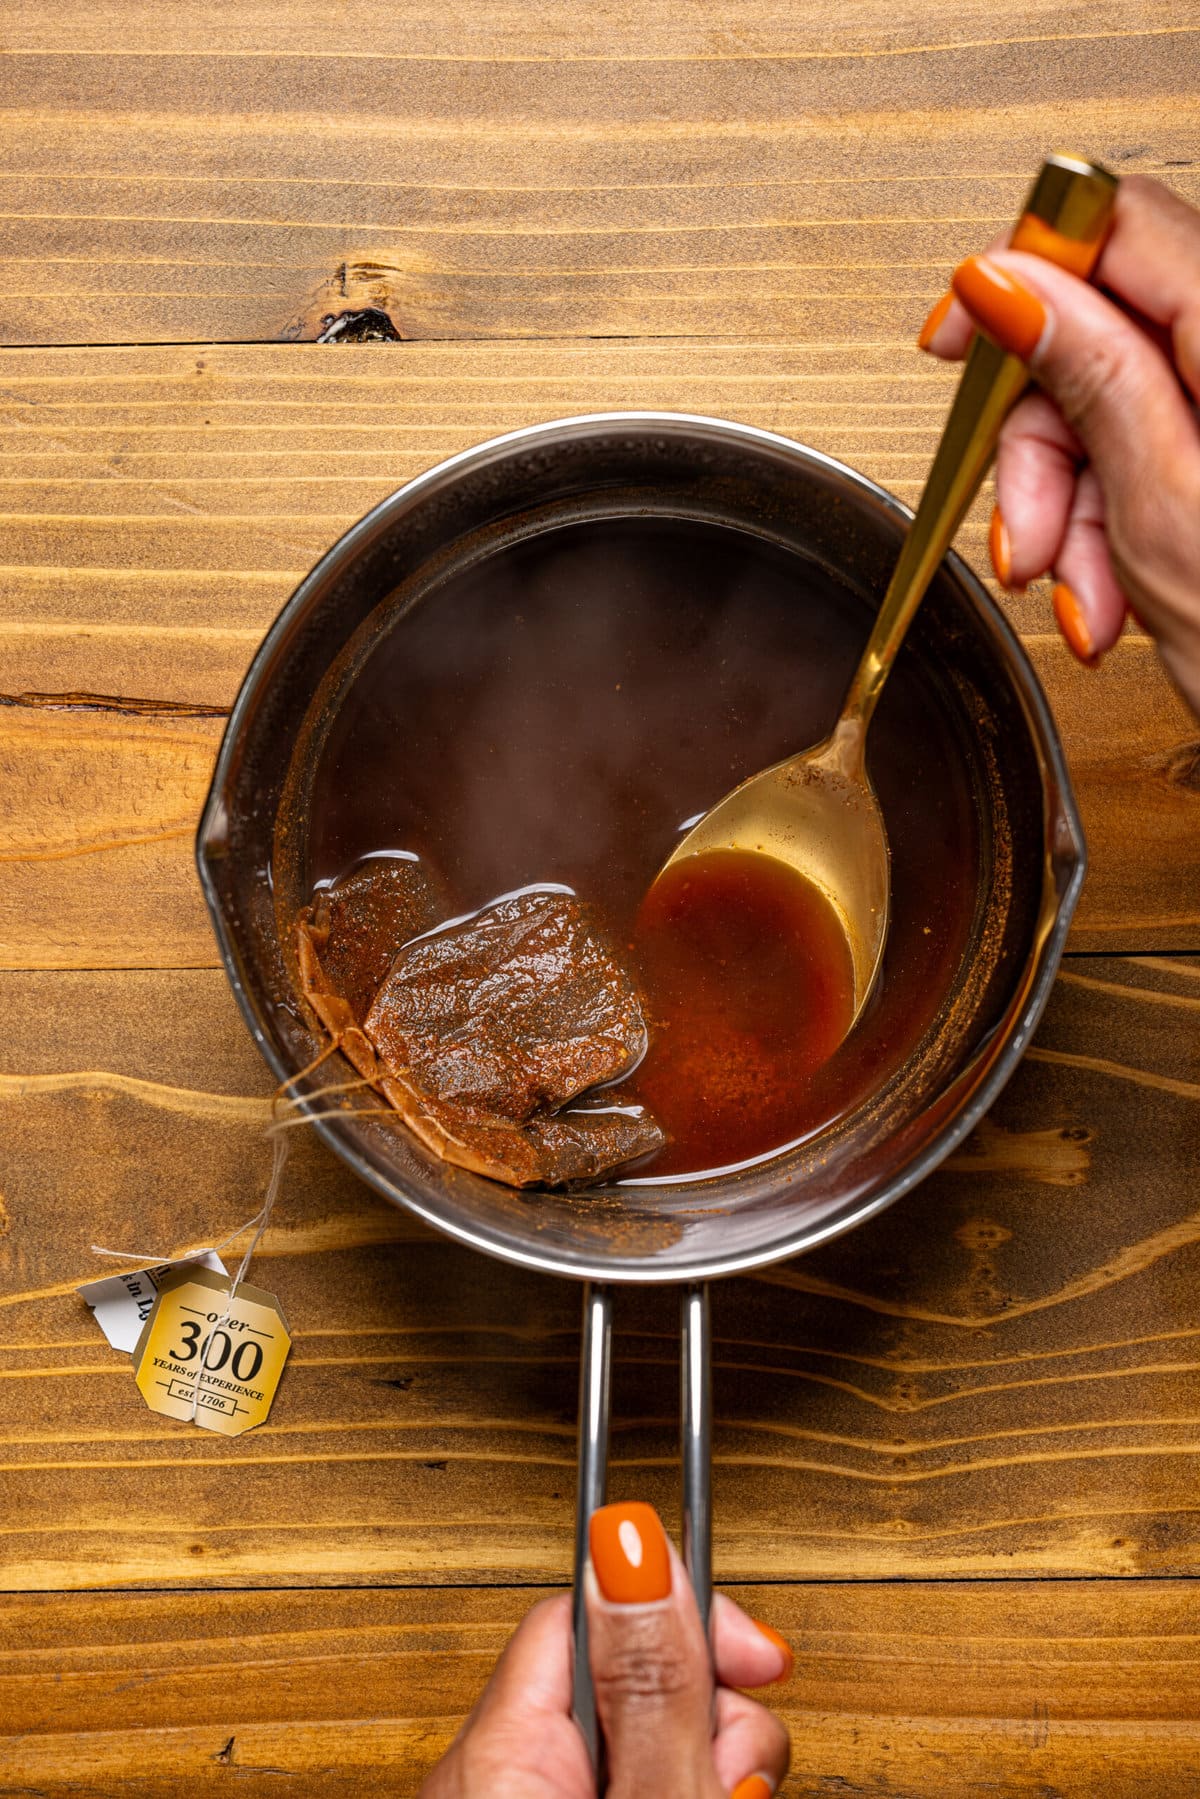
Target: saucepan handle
point(594, 1365)
point(696, 1431)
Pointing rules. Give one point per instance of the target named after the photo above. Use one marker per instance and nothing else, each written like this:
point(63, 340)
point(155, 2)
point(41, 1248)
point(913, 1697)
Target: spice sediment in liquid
point(561, 709)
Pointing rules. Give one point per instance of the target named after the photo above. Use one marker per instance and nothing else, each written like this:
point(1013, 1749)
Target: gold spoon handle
point(1066, 220)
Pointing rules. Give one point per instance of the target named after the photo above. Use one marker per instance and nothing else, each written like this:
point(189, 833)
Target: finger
point(534, 1672)
point(949, 327)
point(1088, 602)
point(1036, 469)
point(947, 331)
point(746, 1652)
point(1113, 386)
point(520, 1738)
point(750, 1741)
point(649, 1659)
point(1152, 262)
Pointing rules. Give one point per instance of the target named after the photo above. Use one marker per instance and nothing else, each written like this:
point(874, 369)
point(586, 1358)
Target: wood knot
point(369, 325)
point(359, 303)
point(981, 1233)
point(1182, 767)
point(1056, 1158)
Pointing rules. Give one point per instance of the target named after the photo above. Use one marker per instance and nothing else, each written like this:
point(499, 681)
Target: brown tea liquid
point(749, 988)
point(563, 709)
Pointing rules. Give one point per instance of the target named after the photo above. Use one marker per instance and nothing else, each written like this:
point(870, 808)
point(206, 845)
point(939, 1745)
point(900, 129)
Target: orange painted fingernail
point(755, 1786)
point(629, 1553)
point(1073, 625)
point(933, 323)
point(1005, 309)
point(1000, 548)
point(773, 1636)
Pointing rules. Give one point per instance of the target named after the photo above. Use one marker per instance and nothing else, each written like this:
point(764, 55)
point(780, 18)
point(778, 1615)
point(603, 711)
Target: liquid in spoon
point(749, 989)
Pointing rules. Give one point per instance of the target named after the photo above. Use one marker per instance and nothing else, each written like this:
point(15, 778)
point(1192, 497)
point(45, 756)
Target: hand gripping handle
point(696, 1448)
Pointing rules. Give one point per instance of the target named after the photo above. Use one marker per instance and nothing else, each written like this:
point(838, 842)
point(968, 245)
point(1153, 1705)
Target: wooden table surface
point(957, 1455)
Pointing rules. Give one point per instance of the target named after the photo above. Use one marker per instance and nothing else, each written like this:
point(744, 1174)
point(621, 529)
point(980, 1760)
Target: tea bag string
point(257, 1222)
point(280, 1149)
point(152, 1259)
point(280, 1146)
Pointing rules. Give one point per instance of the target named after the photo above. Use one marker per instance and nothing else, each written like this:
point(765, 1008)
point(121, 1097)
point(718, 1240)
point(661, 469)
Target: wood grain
point(486, 173)
point(999, 1376)
point(96, 825)
point(941, 1690)
point(157, 507)
point(521, 31)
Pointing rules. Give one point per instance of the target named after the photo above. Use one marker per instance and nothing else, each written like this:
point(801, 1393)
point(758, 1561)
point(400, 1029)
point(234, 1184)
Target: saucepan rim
point(1063, 839)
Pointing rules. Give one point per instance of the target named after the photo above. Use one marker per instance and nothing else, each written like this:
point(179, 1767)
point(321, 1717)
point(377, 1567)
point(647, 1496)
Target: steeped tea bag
point(487, 1034)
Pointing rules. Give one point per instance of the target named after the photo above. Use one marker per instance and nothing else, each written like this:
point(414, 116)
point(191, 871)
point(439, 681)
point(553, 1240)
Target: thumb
point(1111, 382)
point(650, 1661)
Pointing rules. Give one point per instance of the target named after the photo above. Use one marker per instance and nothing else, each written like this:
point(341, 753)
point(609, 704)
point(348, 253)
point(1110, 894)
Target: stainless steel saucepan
point(1030, 869)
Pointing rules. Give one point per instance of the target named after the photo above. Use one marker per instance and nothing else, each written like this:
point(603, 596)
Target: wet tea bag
point(494, 1034)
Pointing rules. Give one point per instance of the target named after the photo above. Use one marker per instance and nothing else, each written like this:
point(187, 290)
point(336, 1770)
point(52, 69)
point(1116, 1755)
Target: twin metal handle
point(696, 1455)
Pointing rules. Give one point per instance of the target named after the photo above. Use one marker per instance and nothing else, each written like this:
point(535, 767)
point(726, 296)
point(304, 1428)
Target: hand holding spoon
point(817, 811)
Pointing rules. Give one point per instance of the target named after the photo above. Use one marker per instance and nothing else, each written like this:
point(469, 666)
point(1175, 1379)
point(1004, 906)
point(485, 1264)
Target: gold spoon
point(817, 811)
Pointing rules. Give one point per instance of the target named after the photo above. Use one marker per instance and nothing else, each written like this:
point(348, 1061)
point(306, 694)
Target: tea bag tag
point(209, 1359)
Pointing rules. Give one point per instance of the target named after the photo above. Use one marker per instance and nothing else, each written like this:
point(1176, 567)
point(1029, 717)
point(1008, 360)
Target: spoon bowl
point(816, 812)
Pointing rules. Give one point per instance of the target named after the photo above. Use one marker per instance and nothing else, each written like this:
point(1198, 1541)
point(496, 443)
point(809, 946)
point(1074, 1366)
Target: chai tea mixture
point(513, 762)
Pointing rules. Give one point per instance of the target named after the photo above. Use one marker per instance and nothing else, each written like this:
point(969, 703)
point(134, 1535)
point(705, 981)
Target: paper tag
point(194, 1362)
point(123, 1302)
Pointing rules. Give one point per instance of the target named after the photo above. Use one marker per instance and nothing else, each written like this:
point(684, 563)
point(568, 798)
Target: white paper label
point(123, 1302)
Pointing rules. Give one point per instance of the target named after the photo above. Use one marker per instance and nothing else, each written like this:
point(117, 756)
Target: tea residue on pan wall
point(560, 711)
